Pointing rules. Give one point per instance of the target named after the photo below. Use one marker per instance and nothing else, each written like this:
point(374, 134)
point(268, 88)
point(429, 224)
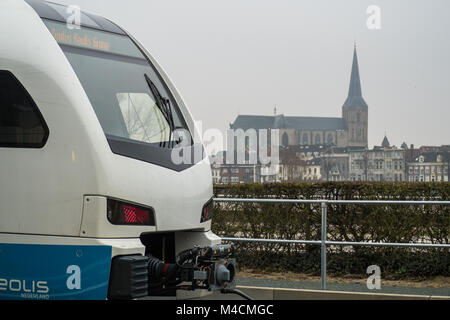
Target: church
point(350, 130)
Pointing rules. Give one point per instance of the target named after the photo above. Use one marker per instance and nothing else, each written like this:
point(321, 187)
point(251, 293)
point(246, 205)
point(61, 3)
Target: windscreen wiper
point(164, 106)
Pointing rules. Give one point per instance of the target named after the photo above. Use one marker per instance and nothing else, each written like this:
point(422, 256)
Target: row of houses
point(312, 163)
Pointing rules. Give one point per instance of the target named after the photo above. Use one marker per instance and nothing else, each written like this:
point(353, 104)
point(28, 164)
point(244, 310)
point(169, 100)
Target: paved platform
point(357, 286)
point(264, 293)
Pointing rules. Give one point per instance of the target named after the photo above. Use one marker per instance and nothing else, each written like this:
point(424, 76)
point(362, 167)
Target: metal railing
point(324, 242)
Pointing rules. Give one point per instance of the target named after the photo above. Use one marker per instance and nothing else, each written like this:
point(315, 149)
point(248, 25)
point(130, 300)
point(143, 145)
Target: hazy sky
point(233, 57)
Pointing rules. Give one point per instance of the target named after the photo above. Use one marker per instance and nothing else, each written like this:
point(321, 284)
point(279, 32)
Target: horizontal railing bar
point(268, 200)
point(272, 240)
point(343, 243)
point(389, 244)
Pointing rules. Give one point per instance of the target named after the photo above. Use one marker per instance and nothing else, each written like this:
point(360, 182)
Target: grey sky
point(233, 57)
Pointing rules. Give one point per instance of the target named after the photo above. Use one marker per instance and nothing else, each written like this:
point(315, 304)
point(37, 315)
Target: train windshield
point(118, 79)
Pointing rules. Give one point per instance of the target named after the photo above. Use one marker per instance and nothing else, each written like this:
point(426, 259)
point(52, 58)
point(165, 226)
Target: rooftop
point(257, 122)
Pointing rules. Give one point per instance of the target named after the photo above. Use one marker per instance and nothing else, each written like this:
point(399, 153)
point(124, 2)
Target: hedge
point(345, 222)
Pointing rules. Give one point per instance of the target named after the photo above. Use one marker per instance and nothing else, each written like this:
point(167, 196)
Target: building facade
point(429, 167)
point(324, 163)
point(382, 163)
point(335, 164)
point(233, 173)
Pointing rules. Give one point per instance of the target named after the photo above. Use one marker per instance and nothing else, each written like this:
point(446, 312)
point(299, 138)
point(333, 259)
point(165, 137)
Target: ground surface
point(435, 286)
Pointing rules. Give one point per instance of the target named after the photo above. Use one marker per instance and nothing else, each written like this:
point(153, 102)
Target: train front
point(123, 169)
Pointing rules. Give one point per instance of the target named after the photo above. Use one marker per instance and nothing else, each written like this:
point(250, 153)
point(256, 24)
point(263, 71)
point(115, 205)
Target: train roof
point(58, 12)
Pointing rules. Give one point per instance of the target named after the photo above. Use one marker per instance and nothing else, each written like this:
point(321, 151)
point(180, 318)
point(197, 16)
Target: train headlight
point(121, 213)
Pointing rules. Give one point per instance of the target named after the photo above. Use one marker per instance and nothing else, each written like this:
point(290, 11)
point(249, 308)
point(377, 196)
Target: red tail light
point(121, 213)
point(207, 211)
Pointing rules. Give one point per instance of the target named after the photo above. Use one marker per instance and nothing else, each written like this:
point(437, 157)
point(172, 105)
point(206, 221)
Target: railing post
point(323, 249)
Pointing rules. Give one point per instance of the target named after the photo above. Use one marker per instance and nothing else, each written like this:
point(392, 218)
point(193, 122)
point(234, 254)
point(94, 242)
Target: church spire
point(355, 98)
point(355, 82)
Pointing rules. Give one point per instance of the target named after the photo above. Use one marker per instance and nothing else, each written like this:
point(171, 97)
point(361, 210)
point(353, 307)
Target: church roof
point(355, 98)
point(246, 122)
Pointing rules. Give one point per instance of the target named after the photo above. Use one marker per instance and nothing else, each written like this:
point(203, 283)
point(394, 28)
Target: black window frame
point(37, 112)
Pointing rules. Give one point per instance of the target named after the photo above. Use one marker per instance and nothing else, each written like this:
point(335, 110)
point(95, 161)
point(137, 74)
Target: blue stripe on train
point(30, 271)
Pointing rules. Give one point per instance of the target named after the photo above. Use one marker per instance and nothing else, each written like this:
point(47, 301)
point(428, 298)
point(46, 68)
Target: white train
point(92, 205)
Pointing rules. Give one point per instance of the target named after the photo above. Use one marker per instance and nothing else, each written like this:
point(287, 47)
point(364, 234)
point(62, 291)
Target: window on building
point(330, 139)
point(285, 139)
point(305, 139)
point(21, 123)
point(317, 139)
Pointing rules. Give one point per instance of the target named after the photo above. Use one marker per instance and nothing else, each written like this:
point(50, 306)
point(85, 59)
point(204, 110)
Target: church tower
point(355, 110)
